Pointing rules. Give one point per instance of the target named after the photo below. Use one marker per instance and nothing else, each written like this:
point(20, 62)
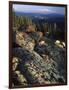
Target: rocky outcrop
point(37, 70)
point(23, 40)
point(37, 60)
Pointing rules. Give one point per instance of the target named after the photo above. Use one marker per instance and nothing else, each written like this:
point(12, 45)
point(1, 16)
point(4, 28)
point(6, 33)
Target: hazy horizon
point(38, 9)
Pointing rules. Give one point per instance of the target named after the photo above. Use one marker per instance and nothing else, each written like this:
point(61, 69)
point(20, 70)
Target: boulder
point(22, 39)
point(14, 63)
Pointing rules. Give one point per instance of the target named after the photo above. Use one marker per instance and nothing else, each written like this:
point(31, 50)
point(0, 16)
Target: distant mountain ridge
point(38, 14)
point(50, 17)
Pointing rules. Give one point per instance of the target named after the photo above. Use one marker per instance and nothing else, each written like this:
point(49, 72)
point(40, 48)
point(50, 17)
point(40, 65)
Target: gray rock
point(35, 69)
point(54, 56)
point(58, 56)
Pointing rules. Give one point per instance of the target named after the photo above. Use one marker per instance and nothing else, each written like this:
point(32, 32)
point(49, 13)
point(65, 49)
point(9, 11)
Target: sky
point(38, 9)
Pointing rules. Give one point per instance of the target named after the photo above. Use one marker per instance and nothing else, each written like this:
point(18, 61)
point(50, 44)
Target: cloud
point(37, 9)
point(33, 9)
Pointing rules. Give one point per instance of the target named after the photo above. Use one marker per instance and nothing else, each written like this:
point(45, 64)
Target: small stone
point(36, 75)
point(33, 72)
point(17, 72)
point(15, 59)
point(63, 44)
point(14, 66)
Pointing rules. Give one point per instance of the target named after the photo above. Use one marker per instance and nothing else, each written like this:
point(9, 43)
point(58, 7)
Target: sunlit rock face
point(15, 62)
point(24, 40)
point(63, 43)
point(42, 42)
point(57, 41)
point(60, 44)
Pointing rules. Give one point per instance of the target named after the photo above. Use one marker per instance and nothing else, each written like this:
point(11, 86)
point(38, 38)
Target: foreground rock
point(36, 70)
